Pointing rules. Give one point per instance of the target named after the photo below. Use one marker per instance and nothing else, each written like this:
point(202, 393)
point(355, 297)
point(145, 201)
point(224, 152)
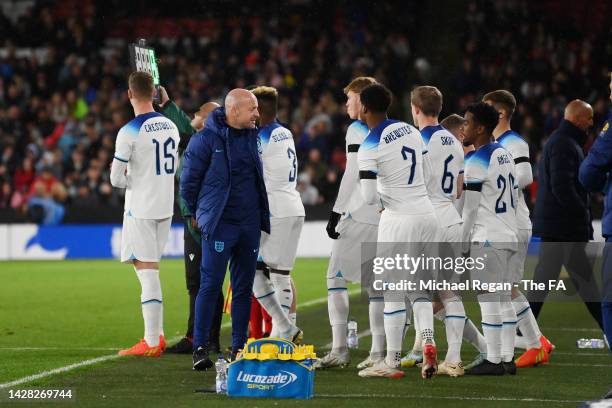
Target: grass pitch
point(55, 315)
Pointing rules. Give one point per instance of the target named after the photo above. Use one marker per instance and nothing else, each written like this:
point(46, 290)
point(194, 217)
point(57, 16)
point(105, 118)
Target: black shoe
point(509, 367)
point(184, 346)
point(201, 361)
point(486, 368)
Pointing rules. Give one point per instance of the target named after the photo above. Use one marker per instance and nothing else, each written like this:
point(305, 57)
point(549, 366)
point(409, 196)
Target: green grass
point(53, 314)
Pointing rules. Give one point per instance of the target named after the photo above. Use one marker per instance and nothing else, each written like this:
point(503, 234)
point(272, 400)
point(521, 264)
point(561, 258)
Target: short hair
point(502, 99)
point(485, 115)
point(452, 121)
point(141, 85)
point(358, 84)
point(376, 97)
point(428, 99)
point(267, 94)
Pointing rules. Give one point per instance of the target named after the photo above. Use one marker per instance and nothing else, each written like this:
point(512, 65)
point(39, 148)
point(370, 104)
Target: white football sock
point(151, 300)
point(418, 340)
point(527, 323)
point(376, 310)
point(338, 310)
point(454, 323)
point(520, 342)
point(394, 321)
point(508, 327)
point(423, 318)
point(282, 286)
point(490, 308)
point(473, 336)
point(265, 294)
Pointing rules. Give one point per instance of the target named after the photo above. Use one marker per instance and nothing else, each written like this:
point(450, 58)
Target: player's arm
point(594, 169)
point(123, 152)
point(563, 168)
point(471, 201)
point(368, 168)
point(522, 166)
point(349, 181)
point(475, 174)
point(195, 164)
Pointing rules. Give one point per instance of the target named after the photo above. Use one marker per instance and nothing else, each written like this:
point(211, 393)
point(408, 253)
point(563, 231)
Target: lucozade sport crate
point(272, 368)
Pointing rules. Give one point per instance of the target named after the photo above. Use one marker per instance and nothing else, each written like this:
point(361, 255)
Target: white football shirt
point(277, 151)
point(149, 145)
point(394, 152)
point(446, 163)
point(490, 170)
point(519, 149)
point(350, 202)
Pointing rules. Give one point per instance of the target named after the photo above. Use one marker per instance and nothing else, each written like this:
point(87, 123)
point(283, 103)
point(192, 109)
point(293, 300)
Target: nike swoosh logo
point(218, 150)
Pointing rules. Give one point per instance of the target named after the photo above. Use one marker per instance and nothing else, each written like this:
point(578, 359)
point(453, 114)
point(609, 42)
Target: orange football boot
point(142, 349)
point(548, 346)
point(532, 357)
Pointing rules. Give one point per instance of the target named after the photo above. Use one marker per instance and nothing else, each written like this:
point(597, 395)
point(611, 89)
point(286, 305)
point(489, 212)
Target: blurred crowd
point(63, 70)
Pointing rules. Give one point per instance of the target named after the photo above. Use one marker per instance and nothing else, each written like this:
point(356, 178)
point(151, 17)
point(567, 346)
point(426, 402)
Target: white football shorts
point(345, 260)
point(143, 239)
point(278, 248)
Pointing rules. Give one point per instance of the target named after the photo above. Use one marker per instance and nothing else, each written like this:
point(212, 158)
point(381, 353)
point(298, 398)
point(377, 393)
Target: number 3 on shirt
point(167, 155)
point(293, 171)
point(405, 152)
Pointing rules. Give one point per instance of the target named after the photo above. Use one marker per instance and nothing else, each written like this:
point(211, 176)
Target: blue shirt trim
point(428, 131)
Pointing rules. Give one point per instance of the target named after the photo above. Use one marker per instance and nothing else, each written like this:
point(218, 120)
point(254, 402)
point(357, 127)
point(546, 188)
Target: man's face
point(246, 113)
point(469, 129)
point(353, 105)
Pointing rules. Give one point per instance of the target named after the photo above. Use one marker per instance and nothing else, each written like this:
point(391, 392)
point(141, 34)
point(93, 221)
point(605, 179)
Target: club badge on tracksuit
point(219, 245)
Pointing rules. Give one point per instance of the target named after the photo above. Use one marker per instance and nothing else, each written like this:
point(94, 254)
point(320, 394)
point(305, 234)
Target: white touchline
point(444, 397)
point(96, 360)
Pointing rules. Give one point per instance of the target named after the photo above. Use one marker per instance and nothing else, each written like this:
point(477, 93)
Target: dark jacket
point(562, 205)
point(206, 180)
point(595, 172)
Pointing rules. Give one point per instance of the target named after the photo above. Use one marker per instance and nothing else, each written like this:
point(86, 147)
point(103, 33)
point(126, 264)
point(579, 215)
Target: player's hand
point(163, 96)
point(334, 217)
point(194, 223)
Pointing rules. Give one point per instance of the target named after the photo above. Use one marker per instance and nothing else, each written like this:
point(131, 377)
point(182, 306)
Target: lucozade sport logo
point(282, 378)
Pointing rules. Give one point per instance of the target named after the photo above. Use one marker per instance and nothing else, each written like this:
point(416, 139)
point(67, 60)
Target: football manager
point(223, 185)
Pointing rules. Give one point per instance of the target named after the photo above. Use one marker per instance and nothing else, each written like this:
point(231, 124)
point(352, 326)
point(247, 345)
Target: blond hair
point(358, 84)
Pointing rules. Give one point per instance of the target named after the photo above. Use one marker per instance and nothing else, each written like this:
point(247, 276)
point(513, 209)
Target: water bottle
point(351, 340)
point(221, 382)
point(590, 343)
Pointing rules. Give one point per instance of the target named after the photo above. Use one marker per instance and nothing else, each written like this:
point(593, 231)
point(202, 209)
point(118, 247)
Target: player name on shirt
point(155, 126)
point(396, 134)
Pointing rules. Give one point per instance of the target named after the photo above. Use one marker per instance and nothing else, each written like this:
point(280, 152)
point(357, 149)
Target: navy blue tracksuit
point(595, 174)
point(222, 183)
